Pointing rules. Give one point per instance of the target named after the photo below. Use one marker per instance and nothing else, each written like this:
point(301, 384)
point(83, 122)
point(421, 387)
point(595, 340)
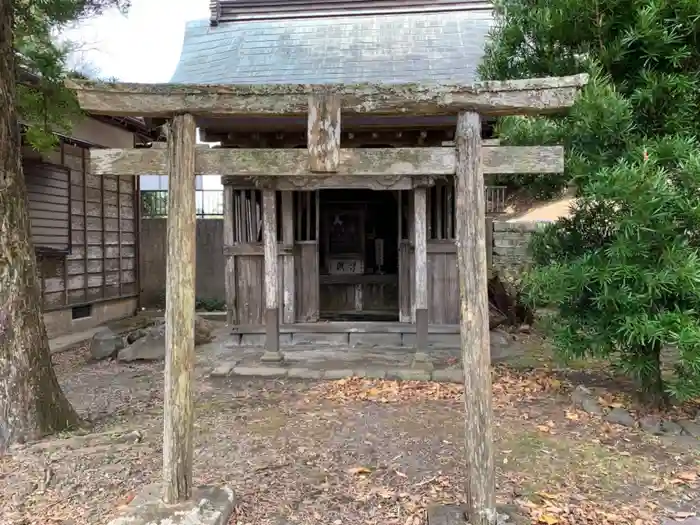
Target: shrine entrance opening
point(359, 263)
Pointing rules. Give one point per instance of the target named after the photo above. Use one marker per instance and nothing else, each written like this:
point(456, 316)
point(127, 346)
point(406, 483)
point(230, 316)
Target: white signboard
point(345, 266)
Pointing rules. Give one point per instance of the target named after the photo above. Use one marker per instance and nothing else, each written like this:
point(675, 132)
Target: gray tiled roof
point(384, 48)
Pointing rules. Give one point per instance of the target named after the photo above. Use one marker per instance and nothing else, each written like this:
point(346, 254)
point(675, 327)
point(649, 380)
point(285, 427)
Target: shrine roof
point(396, 48)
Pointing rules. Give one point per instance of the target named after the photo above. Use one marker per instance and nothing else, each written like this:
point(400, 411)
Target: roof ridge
point(232, 11)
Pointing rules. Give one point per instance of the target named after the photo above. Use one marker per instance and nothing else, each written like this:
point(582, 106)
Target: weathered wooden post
point(323, 133)
point(179, 311)
point(288, 293)
point(272, 312)
point(474, 320)
point(230, 272)
point(420, 257)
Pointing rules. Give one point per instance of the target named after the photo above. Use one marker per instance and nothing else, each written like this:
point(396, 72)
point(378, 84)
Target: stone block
point(370, 373)
point(272, 356)
point(515, 244)
point(407, 374)
point(208, 506)
point(526, 226)
point(259, 339)
point(444, 340)
point(332, 375)
point(421, 361)
point(260, 371)
point(448, 375)
point(233, 340)
point(691, 428)
point(252, 339)
point(223, 370)
point(374, 339)
point(303, 373)
point(335, 338)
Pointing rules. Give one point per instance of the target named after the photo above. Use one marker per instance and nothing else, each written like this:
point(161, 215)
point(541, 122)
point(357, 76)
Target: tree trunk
point(31, 401)
point(653, 390)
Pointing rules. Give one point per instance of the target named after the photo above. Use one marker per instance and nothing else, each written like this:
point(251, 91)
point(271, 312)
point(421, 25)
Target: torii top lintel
point(525, 96)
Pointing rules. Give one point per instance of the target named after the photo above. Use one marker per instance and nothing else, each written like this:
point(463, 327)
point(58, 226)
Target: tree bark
point(652, 386)
point(470, 230)
point(31, 401)
point(179, 312)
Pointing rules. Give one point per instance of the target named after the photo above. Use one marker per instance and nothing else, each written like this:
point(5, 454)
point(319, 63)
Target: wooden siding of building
point(100, 260)
point(48, 192)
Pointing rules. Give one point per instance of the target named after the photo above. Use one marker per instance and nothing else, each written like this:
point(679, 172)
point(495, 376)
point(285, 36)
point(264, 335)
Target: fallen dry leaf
point(688, 476)
point(358, 471)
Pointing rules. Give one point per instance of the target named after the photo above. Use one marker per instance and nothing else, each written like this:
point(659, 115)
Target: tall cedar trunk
point(31, 401)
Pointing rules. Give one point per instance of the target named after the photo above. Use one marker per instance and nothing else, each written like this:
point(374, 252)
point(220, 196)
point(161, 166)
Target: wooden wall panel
point(307, 285)
point(250, 293)
point(100, 231)
point(48, 191)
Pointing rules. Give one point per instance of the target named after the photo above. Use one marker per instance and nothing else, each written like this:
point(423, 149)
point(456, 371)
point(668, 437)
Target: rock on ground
point(151, 347)
point(208, 506)
point(585, 399)
point(105, 344)
point(620, 416)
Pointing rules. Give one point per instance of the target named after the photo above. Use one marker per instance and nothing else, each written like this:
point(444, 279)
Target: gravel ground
point(345, 452)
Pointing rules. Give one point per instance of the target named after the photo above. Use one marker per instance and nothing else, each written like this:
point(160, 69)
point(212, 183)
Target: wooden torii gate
point(323, 104)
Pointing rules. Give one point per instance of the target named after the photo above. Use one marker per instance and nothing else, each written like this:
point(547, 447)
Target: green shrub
point(624, 270)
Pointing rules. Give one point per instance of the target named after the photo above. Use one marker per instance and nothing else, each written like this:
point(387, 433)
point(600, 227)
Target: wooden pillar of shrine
point(178, 401)
point(470, 229)
point(230, 270)
point(420, 257)
point(288, 284)
point(272, 310)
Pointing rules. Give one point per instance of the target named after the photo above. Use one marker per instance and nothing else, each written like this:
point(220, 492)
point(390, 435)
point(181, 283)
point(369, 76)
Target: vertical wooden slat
point(84, 165)
point(288, 265)
point(70, 234)
point(489, 244)
point(439, 211)
point(104, 234)
point(230, 272)
point(309, 197)
point(317, 196)
point(474, 321)
point(179, 311)
point(119, 231)
point(297, 214)
point(450, 211)
point(399, 199)
point(269, 205)
point(429, 212)
point(323, 133)
point(136, 198)
point(420, 258)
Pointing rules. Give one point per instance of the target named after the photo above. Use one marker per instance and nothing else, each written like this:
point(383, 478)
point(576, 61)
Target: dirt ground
point(346, 452)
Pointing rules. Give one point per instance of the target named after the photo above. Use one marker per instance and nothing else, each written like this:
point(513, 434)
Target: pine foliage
point(45, 105)
point(623, 273)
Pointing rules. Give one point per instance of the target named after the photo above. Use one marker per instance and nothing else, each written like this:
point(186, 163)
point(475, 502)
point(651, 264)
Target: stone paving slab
point(315, 361)
point(401, 374)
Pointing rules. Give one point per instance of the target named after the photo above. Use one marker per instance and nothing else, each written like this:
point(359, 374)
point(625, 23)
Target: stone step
point(345, 338)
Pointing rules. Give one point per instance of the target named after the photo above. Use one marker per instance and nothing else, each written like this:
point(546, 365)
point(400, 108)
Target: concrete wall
point(210, 261)
point(510, 243)
point(59, 322)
